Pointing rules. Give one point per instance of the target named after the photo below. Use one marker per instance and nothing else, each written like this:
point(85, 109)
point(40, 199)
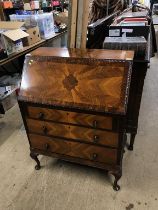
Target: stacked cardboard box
point(11, 36)
point(34, 36)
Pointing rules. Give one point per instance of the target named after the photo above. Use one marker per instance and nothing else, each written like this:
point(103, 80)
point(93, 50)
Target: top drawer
point(94, 121)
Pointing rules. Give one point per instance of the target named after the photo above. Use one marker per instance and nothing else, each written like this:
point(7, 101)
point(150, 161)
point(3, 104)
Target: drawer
point(74, 149)
point(47, 114)
point(94, 121)
point(106, 138)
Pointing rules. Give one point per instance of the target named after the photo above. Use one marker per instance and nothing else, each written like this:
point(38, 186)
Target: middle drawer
point(106, 138)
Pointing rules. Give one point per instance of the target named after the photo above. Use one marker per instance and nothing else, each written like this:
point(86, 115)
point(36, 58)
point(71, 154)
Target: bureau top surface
point(92, 80)
point(84, 53)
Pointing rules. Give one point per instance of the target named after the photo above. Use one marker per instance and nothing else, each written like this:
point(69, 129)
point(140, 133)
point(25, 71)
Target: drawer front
point(47, 114)
point(46, 128)
point(74, 149)
point(93, 121)
point(73, 132)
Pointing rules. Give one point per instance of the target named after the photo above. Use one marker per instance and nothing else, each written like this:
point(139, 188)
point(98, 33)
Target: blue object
point(23, 12)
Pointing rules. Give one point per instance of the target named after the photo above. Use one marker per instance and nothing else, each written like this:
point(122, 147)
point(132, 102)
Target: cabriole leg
point(34, 157)
point(117, 175)
point(132, 141)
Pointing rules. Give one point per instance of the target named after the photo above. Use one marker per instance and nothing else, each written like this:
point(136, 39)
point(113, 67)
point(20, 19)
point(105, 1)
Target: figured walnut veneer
point(73, 132)
point(77, 82)
point(73, 103)
point(94, 121)
point(74, 149)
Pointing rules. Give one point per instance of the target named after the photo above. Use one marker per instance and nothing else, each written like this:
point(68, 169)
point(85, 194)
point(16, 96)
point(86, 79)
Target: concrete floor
point(65, 186)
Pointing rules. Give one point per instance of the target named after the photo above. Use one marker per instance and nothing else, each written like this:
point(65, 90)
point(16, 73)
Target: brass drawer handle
point(95, 124)
point(96, 139)
point(94, 156)
point(45, 130)
point(41, 116)
point(46, 146)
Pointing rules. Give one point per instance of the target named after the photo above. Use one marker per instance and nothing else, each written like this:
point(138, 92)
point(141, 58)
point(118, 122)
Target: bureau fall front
point(74, 102)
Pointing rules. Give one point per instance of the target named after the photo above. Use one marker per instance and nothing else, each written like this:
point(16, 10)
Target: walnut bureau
point(74, 102)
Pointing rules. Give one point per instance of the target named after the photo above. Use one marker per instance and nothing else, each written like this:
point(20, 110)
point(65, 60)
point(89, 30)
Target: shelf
point(29, 48)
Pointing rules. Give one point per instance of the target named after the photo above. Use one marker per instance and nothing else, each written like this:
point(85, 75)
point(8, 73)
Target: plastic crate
point(46, 25)
point(29, 20)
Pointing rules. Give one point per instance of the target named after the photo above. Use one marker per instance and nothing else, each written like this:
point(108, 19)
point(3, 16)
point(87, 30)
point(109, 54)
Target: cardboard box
point(9, 25)
point(11, 36)
point(13, 40)
point(7, 4)
point(27, 6)
point(61, 17)
point(34, 36)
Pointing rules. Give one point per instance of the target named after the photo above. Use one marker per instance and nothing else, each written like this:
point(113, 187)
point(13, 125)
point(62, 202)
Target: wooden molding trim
point(72, 24)
point(78, 22)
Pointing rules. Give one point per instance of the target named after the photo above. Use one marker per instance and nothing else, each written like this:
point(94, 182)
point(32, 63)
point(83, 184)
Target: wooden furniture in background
point(96, 35)
point(72, 24)
point(97, 31)
point(73, 103)
point(2, 16)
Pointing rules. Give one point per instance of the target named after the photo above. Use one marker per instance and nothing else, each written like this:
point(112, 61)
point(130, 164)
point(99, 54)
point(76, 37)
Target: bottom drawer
point(74, 149)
